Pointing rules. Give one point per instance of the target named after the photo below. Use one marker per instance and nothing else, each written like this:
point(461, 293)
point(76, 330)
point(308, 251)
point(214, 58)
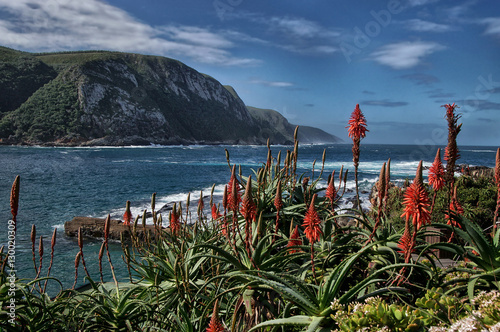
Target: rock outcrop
point(94, 228)
point(112, 98)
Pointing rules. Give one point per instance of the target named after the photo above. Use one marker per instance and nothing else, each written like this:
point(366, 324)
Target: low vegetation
point(273, 256)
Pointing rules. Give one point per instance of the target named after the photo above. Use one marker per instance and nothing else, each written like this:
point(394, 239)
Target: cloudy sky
point(312, 61)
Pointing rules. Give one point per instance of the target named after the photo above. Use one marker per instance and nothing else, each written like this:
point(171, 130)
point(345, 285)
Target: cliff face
point(107, 98)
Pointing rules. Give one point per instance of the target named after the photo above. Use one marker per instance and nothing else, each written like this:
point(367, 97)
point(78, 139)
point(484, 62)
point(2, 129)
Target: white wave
point(168, 202)
point(480, 151)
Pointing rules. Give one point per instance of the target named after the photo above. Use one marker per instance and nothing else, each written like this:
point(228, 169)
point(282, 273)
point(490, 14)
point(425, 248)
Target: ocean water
point(58, 184)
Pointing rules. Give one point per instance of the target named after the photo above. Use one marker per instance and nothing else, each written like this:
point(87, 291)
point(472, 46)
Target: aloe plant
point(482, 254)
point(314, 302)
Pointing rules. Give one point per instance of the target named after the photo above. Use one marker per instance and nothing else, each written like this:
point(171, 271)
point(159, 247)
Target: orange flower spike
point(381, 184)
point(215, 212)
point(201, 203)
point(497, 169)
point(416, 202)
point(215, 325)
point(312, 223)
point(497, 180)
point(40, 247)
point(53, 240)
point(331, 192)
point(406, 243)
point(387, 176)
point(14, 200)
point(107, 225)
point(127, 216)
point(174, 220)
point(278, 200)
point(436, 173)
point(357, 124)
point(294, 240)
point(234, 197)
point(224, 198)
point(248, 208)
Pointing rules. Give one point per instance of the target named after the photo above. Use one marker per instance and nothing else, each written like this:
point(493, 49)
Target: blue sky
point(312, 61)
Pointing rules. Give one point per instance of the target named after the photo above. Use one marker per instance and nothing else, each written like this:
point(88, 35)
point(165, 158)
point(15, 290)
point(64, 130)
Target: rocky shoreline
point(94, 228)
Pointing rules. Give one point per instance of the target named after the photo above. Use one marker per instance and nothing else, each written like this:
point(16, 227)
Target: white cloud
point(415, 3)
point(459, 11)
point(55, 25)
point(195, 36)
point(492, 26)
point(295, 34)
point(302, 28)
point(276, 84)
point(404, 55)
point(305, 36)
point(426, 26)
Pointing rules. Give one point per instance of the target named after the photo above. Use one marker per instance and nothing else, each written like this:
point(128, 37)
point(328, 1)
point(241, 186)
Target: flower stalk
point(357, 131)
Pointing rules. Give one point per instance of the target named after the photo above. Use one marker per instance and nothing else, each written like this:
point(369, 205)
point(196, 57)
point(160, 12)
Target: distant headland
point(91, 98)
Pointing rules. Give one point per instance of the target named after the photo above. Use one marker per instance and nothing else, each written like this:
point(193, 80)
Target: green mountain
point(112, 98)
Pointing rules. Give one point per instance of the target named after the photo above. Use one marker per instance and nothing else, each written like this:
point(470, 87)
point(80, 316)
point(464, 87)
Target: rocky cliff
point(111, 98)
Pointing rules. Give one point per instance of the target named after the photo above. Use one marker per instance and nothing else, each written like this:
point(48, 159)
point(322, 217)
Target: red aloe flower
point(278, 200)
point(357, 130)
point(127, 216)
point(215, 325)
point(215, 212)
point(357, 124)
point(416, 202)
point(294, 241)
point(331, 192)
point(248, 208)
point(436, 172)
point(497, 169)
point(312, 223)
point(14, 200)
point(224, 198)
point(497, 180)
point(451, 152)
point(455, 207)
point(233, 192)
point(387, 182)
point(406, 243)
point(278, 203)
point(201, 203)
point(174, 220)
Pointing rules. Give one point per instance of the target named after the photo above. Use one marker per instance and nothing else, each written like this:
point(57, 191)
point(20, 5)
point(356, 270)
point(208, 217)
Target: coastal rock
point(94, 228)
point(479, 171)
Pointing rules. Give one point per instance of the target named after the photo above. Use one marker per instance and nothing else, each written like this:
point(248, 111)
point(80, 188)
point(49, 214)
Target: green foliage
point(477, 196)
point(51, 113)
point(437, 308)
point(20, 76)
point(375, 314)
point(434, 309)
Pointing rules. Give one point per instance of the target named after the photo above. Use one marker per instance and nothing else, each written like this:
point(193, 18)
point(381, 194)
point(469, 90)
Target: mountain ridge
point(114, 98)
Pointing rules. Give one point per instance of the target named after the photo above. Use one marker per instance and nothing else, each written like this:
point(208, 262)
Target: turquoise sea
point(60, 183)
